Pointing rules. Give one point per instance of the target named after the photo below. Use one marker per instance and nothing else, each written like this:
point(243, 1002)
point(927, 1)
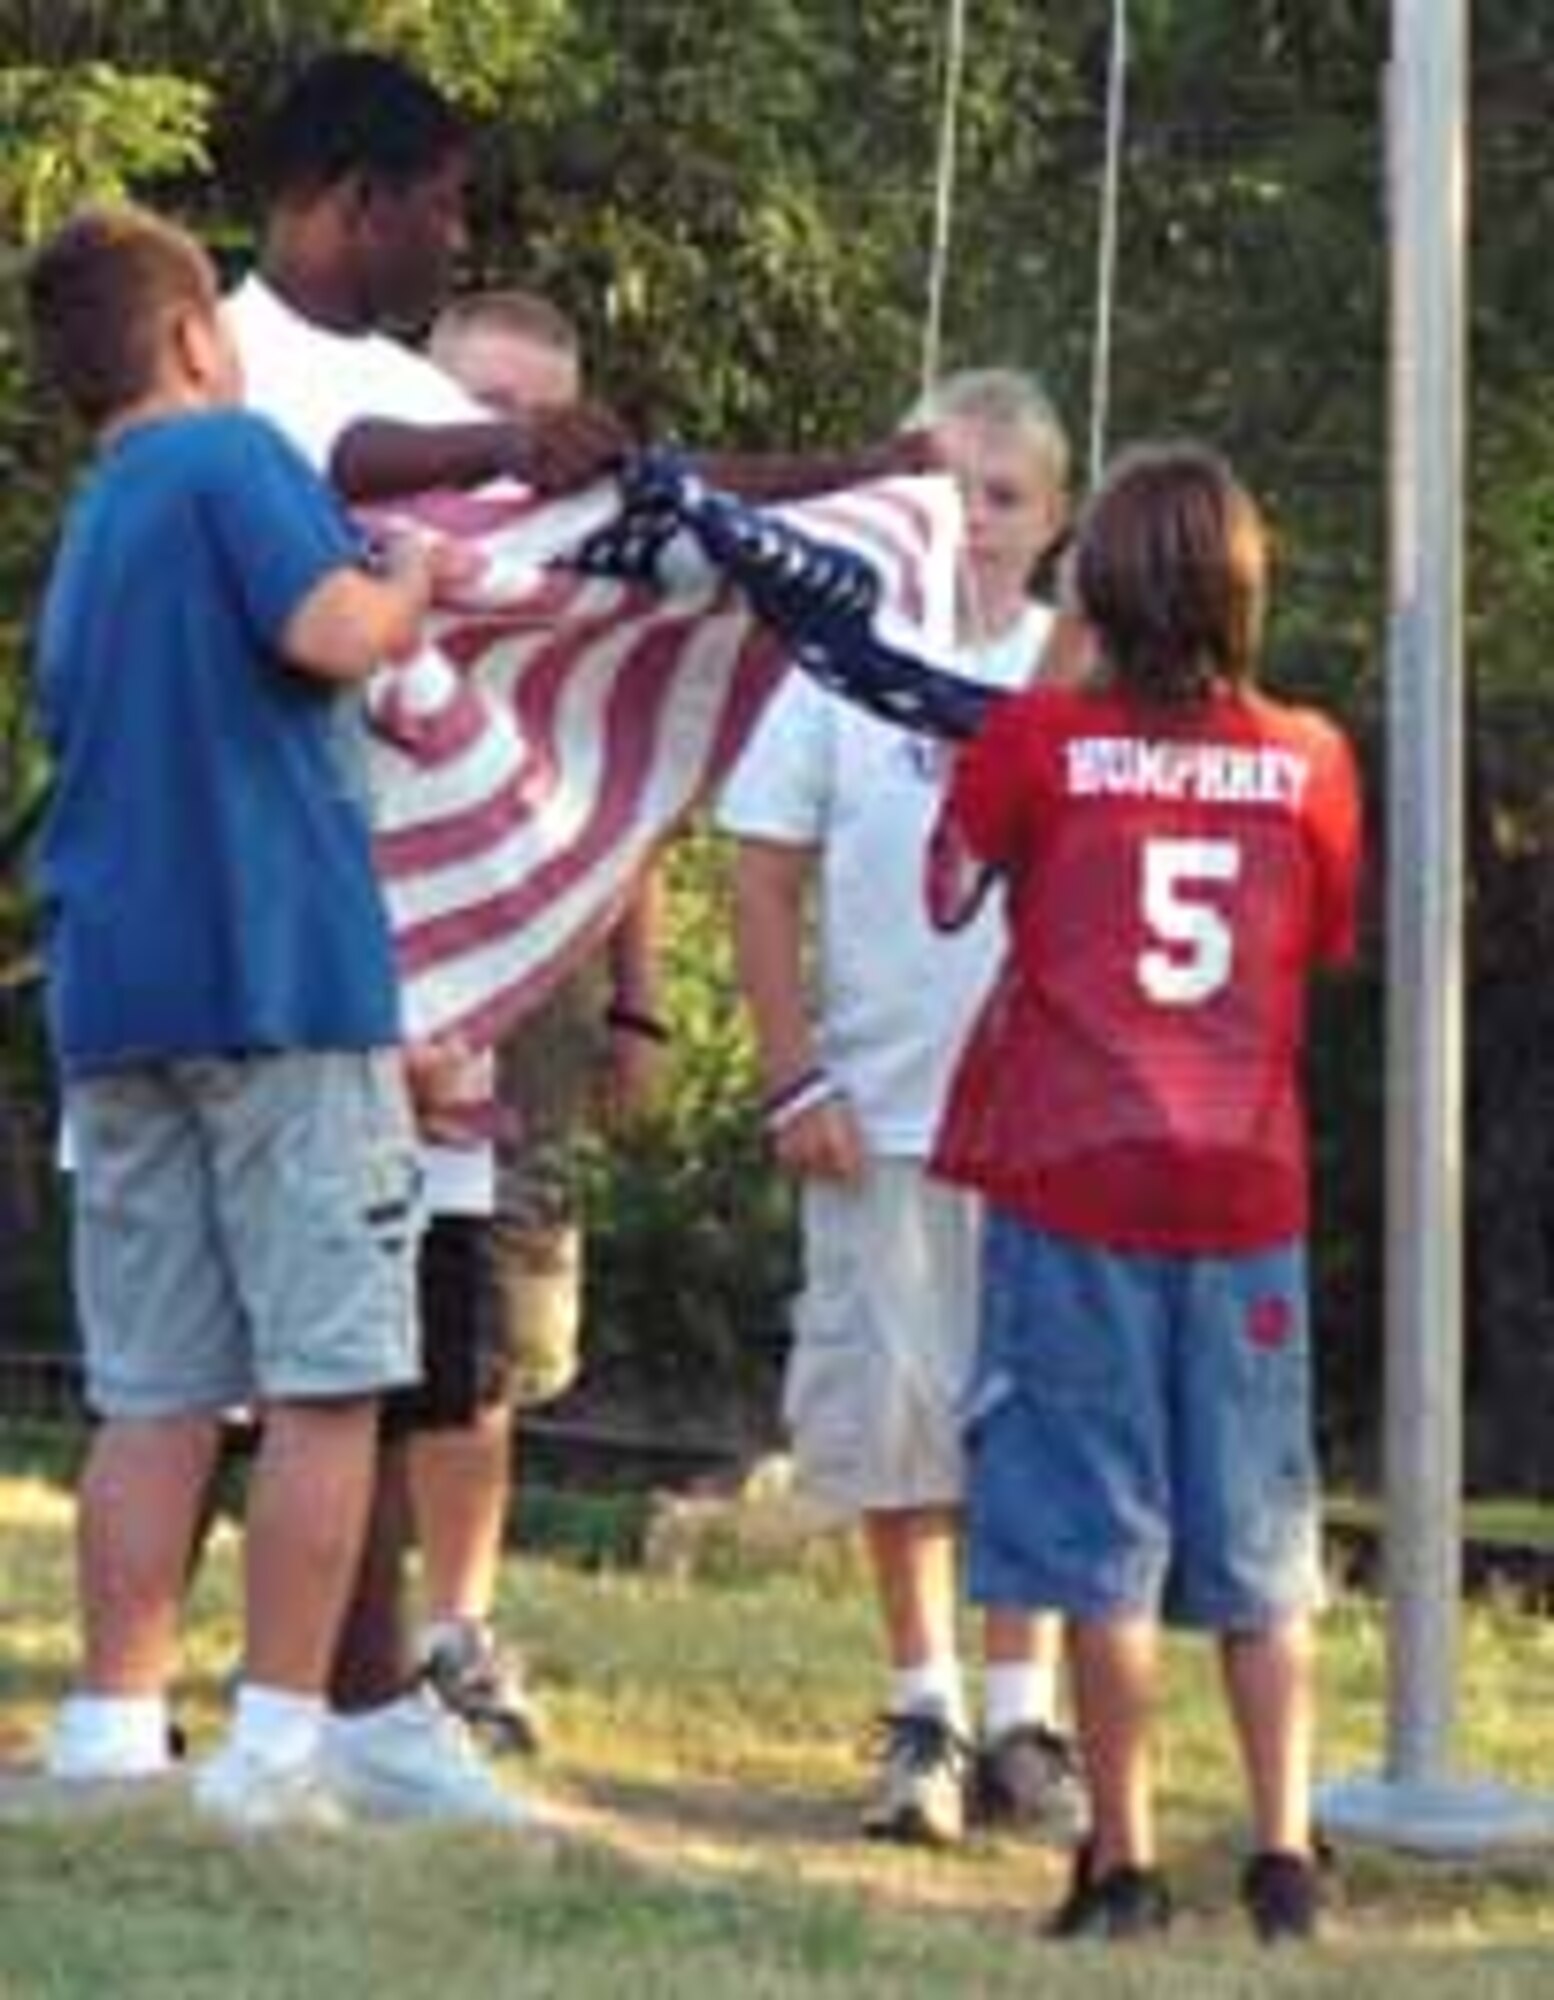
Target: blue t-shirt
point(205, 866)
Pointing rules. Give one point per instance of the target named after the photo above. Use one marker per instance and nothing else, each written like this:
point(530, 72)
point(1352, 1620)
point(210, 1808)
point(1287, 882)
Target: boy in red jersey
point(1179, 852)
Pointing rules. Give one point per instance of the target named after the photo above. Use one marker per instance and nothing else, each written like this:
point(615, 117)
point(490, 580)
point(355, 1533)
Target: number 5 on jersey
point(1192, 952)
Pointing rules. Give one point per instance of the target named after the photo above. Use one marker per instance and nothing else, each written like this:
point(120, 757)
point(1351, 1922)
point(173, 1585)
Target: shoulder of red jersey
point(1313, 725)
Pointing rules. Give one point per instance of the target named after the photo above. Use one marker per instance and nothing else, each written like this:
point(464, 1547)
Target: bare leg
point(1115, 1667)
point(1269, 1682)
point(371, 1664)
point(921, 1794)
point(141, 1497)
point(912, 1554)
point(459, 1492)
point(1011, 1638)
point(307, 1510)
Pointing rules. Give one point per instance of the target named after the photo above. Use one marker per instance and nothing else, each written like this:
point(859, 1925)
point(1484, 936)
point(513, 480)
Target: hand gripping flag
point(827, 598)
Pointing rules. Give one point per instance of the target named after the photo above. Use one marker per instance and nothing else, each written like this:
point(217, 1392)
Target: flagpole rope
point(944, 189)
point(1106, 251)
point(1108, 232)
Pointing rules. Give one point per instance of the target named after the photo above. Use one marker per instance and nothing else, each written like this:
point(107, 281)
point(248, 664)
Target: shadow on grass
point(723, 1813)
point(1373, 1901)
point(1372, 1887)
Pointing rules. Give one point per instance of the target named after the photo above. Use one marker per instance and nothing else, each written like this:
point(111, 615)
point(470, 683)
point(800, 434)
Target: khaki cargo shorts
point(885, 1335)
point(245, 1230)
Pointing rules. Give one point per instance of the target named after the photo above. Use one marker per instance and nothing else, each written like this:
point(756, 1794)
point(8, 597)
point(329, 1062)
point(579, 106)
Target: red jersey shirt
point(1173, 876)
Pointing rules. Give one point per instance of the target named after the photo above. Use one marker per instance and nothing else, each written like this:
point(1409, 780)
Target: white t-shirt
point(896, 996)
point(315, 383)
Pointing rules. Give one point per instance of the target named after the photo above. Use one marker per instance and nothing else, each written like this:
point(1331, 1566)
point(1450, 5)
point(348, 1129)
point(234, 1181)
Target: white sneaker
point(107, 1742)
point(413, 1759)
point(921, 1799)
point(252, 1794)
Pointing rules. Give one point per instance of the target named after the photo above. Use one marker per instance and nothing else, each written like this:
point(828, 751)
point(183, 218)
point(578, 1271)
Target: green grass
point(1521, 1523)
point(707, 1750)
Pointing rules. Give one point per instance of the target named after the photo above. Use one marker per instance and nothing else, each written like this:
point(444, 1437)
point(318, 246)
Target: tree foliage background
point(734, 199)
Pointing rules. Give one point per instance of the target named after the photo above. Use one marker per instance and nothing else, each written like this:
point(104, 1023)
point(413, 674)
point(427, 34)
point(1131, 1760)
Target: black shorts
point(466, 1367)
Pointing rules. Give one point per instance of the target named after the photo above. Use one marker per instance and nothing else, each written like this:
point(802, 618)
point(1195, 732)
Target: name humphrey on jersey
point(1204, 773)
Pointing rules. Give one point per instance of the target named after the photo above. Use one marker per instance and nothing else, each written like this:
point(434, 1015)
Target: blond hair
point(1006, 399)
point(527, 315)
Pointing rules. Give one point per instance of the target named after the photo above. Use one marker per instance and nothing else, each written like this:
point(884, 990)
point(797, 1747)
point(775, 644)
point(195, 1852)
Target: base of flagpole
point(1457, 1819)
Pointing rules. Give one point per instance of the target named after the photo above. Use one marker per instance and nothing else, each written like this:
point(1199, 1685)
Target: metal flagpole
point(1418, 1802)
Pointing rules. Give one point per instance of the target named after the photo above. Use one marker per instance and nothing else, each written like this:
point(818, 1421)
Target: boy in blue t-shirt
point(223, 1006)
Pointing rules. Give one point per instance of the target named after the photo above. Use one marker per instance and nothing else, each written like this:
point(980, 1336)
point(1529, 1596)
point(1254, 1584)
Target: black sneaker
point(924, 1765)
point(1283, 1897)
point(1028, 1778)
point(1123, 1905)
point(484, 1686)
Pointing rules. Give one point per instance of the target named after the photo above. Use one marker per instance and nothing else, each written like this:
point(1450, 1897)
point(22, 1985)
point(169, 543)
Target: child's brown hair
point(100, 294)
point(1171, 571)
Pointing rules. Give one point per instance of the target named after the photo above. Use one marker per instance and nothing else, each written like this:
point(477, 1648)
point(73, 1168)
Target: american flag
point(599, 682)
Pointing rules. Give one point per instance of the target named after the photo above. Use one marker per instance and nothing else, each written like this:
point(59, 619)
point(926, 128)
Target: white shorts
point(884, 1339)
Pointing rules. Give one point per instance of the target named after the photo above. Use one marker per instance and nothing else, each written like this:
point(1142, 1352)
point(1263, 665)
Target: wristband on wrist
point(806, 1092)
point(635, 1021)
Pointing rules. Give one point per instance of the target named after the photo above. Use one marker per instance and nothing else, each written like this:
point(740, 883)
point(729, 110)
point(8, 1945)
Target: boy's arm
point(554, 451)
point(294, 560)
point(812, 1127)
point(638, 1037)
point(351, 621)
point(989, 798)
point(777, 476)
point(956, 883)
point(559, 451)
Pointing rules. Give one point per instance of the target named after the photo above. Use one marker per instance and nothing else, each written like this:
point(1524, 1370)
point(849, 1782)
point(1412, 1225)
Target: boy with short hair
point(832, 802)
point(364, 165)
point(363, 170)
point(223, 1004)
point(1180, 852)
point(596, 1040)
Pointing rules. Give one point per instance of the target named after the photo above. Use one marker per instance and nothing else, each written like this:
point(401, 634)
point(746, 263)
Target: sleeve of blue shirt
point(281, 529)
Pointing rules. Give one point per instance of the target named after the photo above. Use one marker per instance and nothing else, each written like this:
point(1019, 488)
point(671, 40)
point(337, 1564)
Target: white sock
point(277, 1725)
point(1016, 1693)
point(933, 1686)
point(118, 1732)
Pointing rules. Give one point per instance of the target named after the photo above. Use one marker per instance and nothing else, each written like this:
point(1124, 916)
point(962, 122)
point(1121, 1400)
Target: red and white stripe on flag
point(559, 727)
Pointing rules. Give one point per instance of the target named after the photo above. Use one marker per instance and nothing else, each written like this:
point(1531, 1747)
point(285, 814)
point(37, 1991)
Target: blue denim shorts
point(245, 1230)
point(1139, 1434)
